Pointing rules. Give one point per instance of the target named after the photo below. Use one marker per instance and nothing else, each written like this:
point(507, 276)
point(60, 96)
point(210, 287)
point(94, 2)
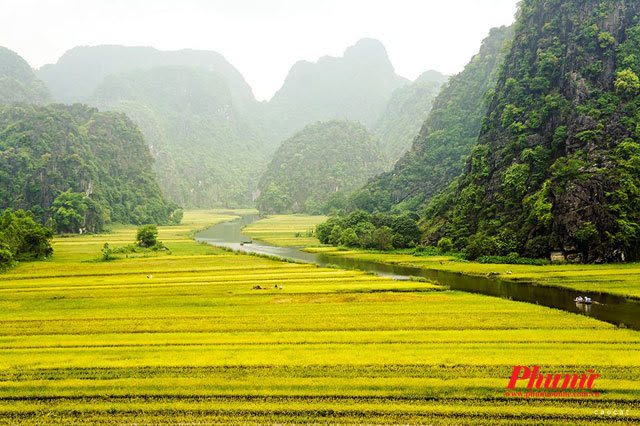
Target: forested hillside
point(322, 159)
point(445, 139)
point(407, 109)
point(356, 87)
point(557, 166)
point(18, 83)
point(76, 168)
point(207, 152)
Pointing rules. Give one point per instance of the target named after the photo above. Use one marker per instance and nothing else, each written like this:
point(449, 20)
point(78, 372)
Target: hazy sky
point(262, 38)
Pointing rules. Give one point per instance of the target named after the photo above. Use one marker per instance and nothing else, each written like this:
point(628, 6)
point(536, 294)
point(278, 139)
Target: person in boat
point(579, 299)
point(587, 299)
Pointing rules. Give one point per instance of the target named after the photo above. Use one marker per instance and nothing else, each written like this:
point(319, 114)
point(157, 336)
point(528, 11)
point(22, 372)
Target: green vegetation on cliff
point(446, 138)
point(557, 167)
point(78, 168)
point(322, 159)
point(18, 83)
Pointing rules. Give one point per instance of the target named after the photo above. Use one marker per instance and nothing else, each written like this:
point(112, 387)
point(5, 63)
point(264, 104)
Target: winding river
point(618, 310)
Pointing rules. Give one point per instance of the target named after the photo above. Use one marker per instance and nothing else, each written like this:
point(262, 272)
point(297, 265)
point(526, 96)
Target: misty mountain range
point(210, 137)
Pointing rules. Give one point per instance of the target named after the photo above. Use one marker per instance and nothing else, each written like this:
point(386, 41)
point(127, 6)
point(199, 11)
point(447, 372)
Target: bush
point(445, 245)
point(427, 251)
point(382, 238)
point(22, 238)
point(349, 238)
point(6, 257)
point(336, 235)
point(382, 230)
point(323, 230)
point(627, 83)
point(512, 259)
point(147, 236)
point(107, 252)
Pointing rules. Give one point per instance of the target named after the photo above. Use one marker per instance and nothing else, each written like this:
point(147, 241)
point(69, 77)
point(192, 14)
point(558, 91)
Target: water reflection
point(586, 308)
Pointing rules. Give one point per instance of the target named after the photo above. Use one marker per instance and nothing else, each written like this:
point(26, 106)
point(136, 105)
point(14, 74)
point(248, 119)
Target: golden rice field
point(286, 230)
point(182, 337)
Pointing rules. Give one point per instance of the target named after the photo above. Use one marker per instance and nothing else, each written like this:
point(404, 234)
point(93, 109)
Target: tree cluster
point(381, 231)
point(22, 238)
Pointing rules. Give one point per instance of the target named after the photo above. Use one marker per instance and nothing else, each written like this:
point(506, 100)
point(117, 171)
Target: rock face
point(447, 135)
point(356, 87)
point(407, 109)
point(557, 165)
point(206, 151)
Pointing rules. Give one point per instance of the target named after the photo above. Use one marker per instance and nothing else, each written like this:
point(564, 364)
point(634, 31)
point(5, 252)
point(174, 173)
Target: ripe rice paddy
point(184, 337)
point(286, 230)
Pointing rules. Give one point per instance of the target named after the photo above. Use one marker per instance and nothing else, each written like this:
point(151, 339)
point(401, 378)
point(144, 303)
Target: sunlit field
point(187, 336)
point(286, 230)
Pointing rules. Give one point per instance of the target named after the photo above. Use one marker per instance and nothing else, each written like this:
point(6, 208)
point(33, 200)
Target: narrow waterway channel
point(613, 309)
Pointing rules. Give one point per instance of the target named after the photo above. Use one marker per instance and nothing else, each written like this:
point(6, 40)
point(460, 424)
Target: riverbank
point(617, 279)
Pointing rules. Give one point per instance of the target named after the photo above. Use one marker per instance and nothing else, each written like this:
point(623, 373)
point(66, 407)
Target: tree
point(382, 238)
point(6, 257)
point(21, 238)
point(273, 199)
point(336, 235)
point(323, 230)
point(406, 230)
point(627, 82)
point(69, 210)
point(176, 216)
point(365, 231)
point(147, 236)
point(587, 237)
point(445, 244)
point(349, 238)
point(107, 252)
